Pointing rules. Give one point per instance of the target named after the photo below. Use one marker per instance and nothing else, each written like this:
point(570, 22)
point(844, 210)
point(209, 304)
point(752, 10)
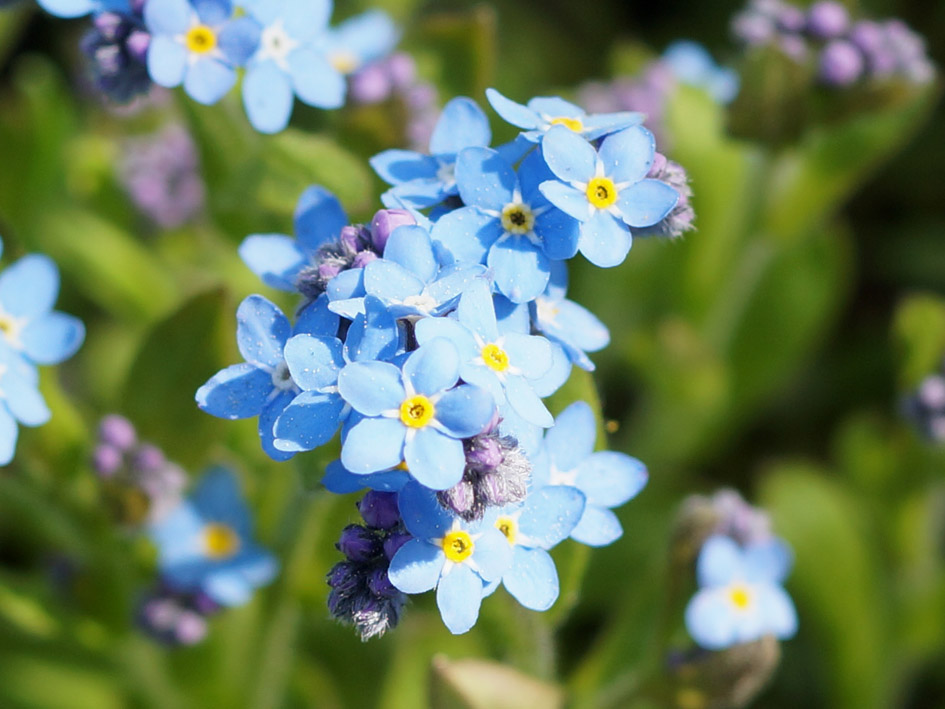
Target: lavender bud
point(483, 454)
point(107, 460)
point(358, 543)
point(373, 617)
point(402, 69)
point(352, 239)
point(841, 64)
point(117, 431)
point(363, 259)
point(827, 19)
point(384, 223)
point(379, 509)
point(191, 628)
point(371, 84)
point(394, 542)
point(137, 45)
point(461, 500)
point(867, 35)
point(149, 458)
point(109, 25)
point(791, 18)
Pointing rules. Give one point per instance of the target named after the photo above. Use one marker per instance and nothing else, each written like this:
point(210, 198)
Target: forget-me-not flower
point(358, 41)
point(447, 554)
point(20, 400)
point(421, 181)
point(416, 414)
point(740, 597)
point(606, 189)
point(77, 8)
point(206, 544)
point(606, 478)
point(198, 43)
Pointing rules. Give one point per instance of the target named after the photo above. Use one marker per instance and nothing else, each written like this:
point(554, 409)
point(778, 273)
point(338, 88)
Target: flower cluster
point(845, 51)
point(926, 407)
point(740, 569)
point(285, 49)
point(429, 337)
point(31, 333)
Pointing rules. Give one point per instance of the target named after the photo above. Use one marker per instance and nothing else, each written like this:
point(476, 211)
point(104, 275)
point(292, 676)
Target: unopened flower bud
point(379, 509)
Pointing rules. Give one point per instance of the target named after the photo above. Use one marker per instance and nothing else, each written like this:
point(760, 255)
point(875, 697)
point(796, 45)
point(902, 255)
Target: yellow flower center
point(417, 411)
point(221, 541)
point(458, 546)
point(740, 597)
point(517, 218)
point(573, 124)
point(508, 527)
point(495, 358)
point(201, 39)
point(601, 192)
point(344, 62)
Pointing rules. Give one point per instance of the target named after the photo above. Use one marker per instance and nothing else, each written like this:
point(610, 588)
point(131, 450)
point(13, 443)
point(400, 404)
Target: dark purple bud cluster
point(361, 592)
point(846, 51)
point(356, 247)
point(497, 473)
point(117, 48)
point(175, 618)
point(680, 219)
point(139, 484)
point(926, 407)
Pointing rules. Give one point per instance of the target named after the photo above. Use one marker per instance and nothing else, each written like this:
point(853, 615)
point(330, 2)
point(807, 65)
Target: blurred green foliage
point(765, 351)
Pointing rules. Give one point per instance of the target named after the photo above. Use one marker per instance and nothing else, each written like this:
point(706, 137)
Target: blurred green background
point(768, 351)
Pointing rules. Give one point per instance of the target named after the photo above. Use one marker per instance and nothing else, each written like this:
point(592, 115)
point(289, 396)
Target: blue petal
point(433, 367)
point(416, 567)
point(492, 554)
point(315, 80)
point(8, 435)
point(398, 166)
point(646, 203)
point(170, 17)
point(67, 8)
point(217, 498)
point(167, 60)
point(318, 218)
point(720, 562)
point(239, 391)
point(598, 527)
point(411, 247)
point(434, 459)
point(423, 516)
point(316, 319)
point(711, 621)
point(477, 312)
point(484, 179)
point(314, 362)
point(24, 400)
point(769, 561)
point(568, 155)
point(368, 36)
point(347, 284)
point(521, 268)
point(577, 326)
point(261, 331)
point(778, 611)
point(267, 422)
point(372, 388)
point(604, 123)
point(529, 353)
point(311, 420)
point(605, 241)
point(526, 403)
point(429, 328)
point(573, 436)
point(305, 19)
point(52, 338)
point(458, 596)
point(559, 233)
point(571, 201)
point(467, 233)
point(208, 80)
point(373, 335)
point(609, 478)
point(452, 281)
point(549, 515)
point(341, 481)
point(555, 107)
point(512, 112)
point(461, 125)
point(390, 281)
point(527, 434)
point(239, 40)
point(373, 444)
point(552, 380)
point(465, 411)
point(213, 12)
point(532, 579)
point(628, 155)
point(275, 258)
point(29, 287)
point(267, 97)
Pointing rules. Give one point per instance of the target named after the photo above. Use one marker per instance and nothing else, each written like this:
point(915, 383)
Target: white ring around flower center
point(276, 44)
point(281, 377)
point(424, 303)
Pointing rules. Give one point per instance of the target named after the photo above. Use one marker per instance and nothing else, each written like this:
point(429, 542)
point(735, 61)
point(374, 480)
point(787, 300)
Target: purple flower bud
point(790, 18)
point(402, 69)
point(117, 431)
point(793, 46)
point(327, 271)
point(191, 628)
point(461, 500)
point(371, 84)
point(484, 454)
point(109, 24)
point(363, 259)
point(384, 223)
point(203, 604)
point(931, 392)
point(379, 583)
point(379, 509)
point(137, 45)
point(344, 577)
point(827, 19)
point(149, 458)
point(753, 29)
point(352, 239)
point(358, 543)
point(841, 63)
point(394, 542)
point(107, 460)
point(867, 35)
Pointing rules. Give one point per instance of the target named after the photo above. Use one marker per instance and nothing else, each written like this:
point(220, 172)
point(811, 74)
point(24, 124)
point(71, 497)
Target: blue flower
point(565, 322)
point(541, 522)
point(740, 597)
point(263, 385)
point(409, 279)
point(288, 63)
point(416, 415)
point(77, 8)
point(508, 224)
point(279, 259)
point(314, 363)
point(606, 190)
point(606, 478)
point(449, 555)
point(198, 43)
point(28, 324)
point(692, 64)
point(502, 363)
point(205, 544)
point(543, 113)
point(358, 41)
point(20, 399)
point(341, 481)
point(421, 181)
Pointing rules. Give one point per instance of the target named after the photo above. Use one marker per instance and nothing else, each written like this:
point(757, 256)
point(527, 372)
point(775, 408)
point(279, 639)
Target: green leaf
point(919, 338)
